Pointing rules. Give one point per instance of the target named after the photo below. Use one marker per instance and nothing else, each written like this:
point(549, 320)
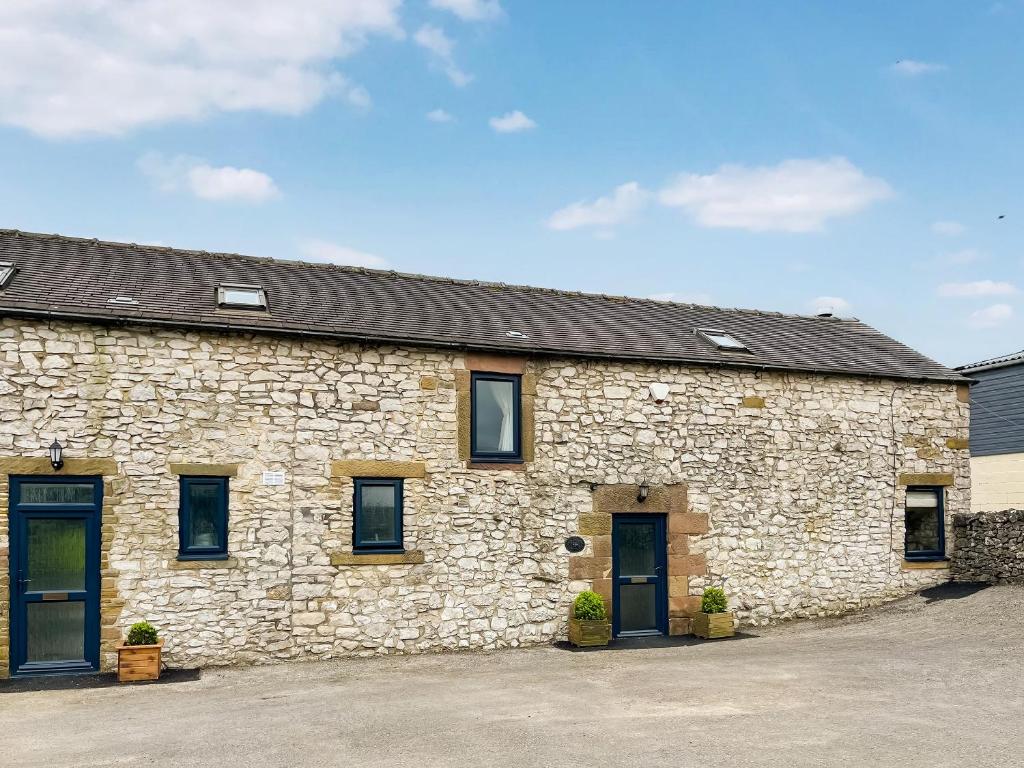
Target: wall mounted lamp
point(642, 491)
point(57, 455)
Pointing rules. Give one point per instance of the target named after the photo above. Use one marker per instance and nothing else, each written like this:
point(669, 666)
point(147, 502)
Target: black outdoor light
point(643, 491)
point(57, 455)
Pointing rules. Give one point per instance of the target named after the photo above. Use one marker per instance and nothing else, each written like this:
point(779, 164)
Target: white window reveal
point(244, 296)
point(6, 272)
point(721, 339)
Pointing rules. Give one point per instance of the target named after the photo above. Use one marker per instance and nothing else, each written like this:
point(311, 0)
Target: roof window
point(722, 340)
point(6, 272)
point(122, 300)
point(241, 296)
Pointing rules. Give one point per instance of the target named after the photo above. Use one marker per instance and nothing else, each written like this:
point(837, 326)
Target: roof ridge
point(420, 276)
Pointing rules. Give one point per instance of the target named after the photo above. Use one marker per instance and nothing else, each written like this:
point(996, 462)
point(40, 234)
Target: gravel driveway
point(930, 681)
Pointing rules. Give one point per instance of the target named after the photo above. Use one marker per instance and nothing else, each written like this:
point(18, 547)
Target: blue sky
point(789, 156)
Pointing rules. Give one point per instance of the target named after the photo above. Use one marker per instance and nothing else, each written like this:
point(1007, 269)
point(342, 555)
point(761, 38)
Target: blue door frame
point(21, 592)
point(659, 576)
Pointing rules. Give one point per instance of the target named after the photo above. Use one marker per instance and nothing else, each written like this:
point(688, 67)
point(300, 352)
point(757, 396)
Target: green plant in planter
point(589, 606)
point(141, 633)
point(714, 601)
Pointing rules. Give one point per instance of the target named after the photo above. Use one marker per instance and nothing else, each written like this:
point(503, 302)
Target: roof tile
point(76, 278)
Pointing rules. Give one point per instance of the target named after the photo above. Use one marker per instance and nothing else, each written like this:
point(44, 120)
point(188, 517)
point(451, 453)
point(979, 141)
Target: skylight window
point(6, 272)
point(722, 340)
point(241, 296)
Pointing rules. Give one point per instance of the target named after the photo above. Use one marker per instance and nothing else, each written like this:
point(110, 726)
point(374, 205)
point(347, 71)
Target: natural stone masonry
point(989, 546)
point(595, 566)
point(802, 505)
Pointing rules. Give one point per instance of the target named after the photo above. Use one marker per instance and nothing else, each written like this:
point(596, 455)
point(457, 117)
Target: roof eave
point(214, 324)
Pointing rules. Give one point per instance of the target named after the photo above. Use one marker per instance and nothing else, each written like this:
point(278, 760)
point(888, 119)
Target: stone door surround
point(621, 499)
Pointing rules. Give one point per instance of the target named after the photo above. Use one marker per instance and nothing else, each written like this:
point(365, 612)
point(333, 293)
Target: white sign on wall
point(273, 478)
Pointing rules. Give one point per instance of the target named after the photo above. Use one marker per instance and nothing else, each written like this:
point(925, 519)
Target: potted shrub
point(138, 658)
point(588, 621)
point(714, 620)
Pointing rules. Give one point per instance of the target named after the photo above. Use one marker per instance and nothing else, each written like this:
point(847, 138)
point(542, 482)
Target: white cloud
point(990, 317)
point(227, 183)
point(626, 200)
point(683, 298)
point(331, 253)
point(442, 50)
point(105, 67)
point(512, 122)
point(224, 183)
point(976, 289)
point(470, 10)
point(439, 116)
point(964, 256)
point(948, 228)
point(793, 196)
point(913, 68)
point(830, 304)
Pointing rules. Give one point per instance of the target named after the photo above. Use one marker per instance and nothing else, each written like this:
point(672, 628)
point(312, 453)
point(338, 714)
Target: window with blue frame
point(203, 518)
point(496, 416)
point(377, 515)
point(925, 523)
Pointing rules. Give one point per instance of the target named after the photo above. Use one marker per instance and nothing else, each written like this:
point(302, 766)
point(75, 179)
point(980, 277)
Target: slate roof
point(74, 278)
point(995, 362)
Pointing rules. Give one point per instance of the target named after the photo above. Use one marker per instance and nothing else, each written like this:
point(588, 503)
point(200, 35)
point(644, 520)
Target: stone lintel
point(205, 470)
point(752, 401)
point(927, 478)
point(40, 465)
point(412, 557)
point(490, 363)
point(958, 443)
point(374, 468)
point(622, 498)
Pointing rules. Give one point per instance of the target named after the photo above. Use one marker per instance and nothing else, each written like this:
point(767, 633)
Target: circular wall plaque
point(575, 544)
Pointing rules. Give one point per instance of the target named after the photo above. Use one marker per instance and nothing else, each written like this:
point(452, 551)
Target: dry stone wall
point(990, 546)
point(796, 472)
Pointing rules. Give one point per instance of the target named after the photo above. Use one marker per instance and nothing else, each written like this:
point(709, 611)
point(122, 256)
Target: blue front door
point(55, 574)
point(639, 575)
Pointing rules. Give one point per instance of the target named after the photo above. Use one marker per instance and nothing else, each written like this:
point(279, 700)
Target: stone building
point(272, 460)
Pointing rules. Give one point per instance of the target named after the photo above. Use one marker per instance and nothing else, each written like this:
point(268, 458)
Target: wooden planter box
point(713, 625)
point(589, 633)
point(138, 662)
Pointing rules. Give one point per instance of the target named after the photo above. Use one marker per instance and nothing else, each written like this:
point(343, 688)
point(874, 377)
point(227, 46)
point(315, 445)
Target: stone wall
point(795, 475)
point(989, 546)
